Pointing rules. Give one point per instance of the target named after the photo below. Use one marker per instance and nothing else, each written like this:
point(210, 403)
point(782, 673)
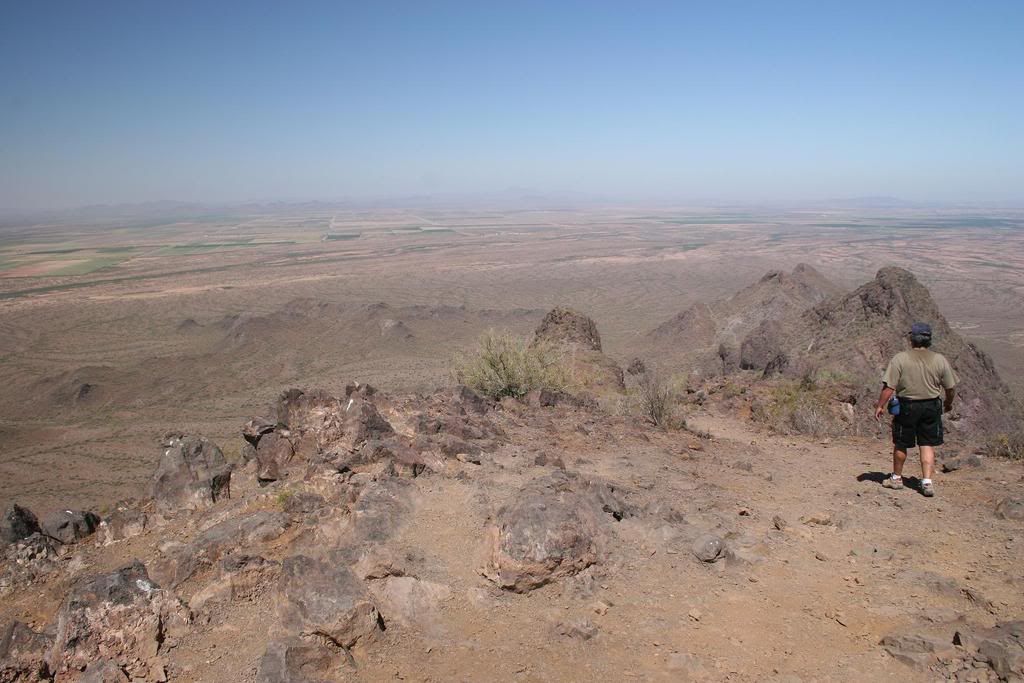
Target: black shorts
point(918, 424)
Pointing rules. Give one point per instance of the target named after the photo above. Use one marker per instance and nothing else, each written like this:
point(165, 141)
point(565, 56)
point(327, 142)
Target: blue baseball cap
point(921, 330)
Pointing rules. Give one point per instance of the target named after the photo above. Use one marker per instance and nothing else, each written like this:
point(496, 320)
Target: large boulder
point(320, 598)
point(553, 527)
point(70, 526)
point(192, 475)
point(17, 523)
point(23, 654)
point(122, 616)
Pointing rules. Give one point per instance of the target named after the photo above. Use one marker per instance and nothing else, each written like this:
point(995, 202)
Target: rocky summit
point(347, 533)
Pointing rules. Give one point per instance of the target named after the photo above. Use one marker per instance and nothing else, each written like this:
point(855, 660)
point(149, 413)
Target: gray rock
point(708, 548)
point(23, 653)
point(192, 475)
point(1010, 508)
point(962, 462)
point(122, 616)
point(324, 599)
point(70, 526)
point(17, 523)
point(915, 649)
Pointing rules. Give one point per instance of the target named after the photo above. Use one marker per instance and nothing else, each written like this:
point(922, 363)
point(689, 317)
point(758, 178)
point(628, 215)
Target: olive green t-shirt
point(919, 374)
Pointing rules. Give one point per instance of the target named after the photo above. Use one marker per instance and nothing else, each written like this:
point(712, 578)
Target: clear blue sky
point(220, 101)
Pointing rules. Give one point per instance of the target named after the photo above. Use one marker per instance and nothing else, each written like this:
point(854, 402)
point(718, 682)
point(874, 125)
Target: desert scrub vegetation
point(799, 406)
point(505, 365)
point(1006, 445)
point(656, 398)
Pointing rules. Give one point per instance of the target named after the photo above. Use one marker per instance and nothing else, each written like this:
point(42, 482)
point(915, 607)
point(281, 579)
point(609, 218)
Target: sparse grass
point(797, 406)
point(504, 365)
point(1006, 445)
point(283, 498)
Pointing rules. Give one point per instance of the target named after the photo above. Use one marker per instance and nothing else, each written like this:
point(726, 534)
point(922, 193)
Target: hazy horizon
point(112, 103)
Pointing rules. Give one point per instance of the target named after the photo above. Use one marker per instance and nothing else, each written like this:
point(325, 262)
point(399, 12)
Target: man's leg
point(927, 461)
point(899, 458)
point(895, 481)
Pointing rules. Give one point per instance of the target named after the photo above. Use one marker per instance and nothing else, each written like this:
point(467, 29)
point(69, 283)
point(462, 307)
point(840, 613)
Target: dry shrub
point(1006, 445)
point(657, 400)
point(504, 365)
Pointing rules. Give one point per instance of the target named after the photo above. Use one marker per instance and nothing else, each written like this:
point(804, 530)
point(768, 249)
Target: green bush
point(504, 365)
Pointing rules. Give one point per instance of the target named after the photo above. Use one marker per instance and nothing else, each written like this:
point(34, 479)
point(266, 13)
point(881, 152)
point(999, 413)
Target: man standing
point(918, 378)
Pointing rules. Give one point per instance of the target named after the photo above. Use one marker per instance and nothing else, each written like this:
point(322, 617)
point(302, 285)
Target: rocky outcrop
point(706, 338)
point(192, 474)
point(23, 654)
point(574, 337)
point(555, 526)
point(565, 327)
point(122, 616)
point(17, 523)
point(243, 533)
point(855, 336)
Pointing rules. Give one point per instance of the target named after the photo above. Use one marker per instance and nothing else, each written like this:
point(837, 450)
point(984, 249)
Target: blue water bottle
point(894, 406)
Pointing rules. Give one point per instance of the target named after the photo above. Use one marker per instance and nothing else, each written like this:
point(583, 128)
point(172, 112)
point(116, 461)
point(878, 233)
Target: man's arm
point(883, 400)
point(947, 405)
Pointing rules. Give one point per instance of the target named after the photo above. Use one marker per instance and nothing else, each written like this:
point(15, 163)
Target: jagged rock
point(552, 528)
point(23, 654)
point(18, 523)
point(330, 424)
point(564, 326)
point(708, 548)
point(273, 455)
point(103, 671)
point(255, 428)
point(192, 475)
point(1010, 508)
point(122, 616)
point(240, 533)
point(300, 661)
point(123, 523)
point(915, 649)
point(324, 599)
point(70, 526)
point(1003, 648)
point(27, 561)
